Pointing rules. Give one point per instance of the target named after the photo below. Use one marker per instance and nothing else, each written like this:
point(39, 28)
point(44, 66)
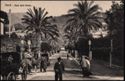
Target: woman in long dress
point(85, 65)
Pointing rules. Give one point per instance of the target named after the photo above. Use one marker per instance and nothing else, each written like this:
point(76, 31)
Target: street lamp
point(111, 53)
point(111, 46)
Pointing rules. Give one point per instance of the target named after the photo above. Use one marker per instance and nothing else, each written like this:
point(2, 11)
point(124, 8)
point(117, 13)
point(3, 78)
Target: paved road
point(73, 71)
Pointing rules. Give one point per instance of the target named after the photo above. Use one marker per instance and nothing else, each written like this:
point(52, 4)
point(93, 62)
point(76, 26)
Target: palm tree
point(38, 23)
point(54, 43)
point(86, 16)
point(71, 35)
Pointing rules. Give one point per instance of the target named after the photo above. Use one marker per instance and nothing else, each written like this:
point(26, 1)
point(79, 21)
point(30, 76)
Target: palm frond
point(38, 22)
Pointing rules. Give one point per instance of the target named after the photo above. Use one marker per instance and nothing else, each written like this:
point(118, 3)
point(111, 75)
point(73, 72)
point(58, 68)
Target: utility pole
point(110, 57)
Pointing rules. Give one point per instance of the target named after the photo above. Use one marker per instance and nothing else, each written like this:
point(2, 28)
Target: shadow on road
point(77, 73)
point(73, 71)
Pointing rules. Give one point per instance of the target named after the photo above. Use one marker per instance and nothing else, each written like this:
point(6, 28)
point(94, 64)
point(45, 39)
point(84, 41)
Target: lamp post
point(111, 53)
point(111, 46)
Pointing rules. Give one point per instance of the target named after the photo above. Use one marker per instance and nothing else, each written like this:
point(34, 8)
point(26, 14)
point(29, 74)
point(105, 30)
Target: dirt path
point(73, 71)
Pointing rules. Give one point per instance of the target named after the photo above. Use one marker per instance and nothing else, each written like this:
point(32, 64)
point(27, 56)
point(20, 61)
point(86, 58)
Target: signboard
point(7, 45)
point(8, 48)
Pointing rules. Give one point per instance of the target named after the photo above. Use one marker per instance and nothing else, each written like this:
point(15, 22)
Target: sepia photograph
point(62, 40)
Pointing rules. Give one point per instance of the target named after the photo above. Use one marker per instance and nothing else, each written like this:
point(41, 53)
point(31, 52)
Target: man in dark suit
point(59, 69)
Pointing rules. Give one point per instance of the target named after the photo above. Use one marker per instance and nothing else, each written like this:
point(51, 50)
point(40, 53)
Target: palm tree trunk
point(39, 45)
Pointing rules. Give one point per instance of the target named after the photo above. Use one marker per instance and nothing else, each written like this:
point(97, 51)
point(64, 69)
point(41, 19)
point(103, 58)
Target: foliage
point(115, 18)
point(115, 21)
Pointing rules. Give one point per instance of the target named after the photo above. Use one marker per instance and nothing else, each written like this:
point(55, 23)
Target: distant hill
point(16, 21)
point(15, 18)
point(60, 21)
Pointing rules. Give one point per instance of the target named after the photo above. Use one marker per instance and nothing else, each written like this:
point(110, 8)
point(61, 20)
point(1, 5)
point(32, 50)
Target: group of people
point(32, 62)
point(36, 63)
point(85, 66)
point(59, 68)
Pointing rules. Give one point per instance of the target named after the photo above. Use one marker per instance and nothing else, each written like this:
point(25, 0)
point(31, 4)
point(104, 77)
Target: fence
point(101, 49)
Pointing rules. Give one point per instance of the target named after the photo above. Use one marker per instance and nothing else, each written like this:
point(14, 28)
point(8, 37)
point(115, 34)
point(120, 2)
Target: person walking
point(59, 69)
point(23, 69)
point(85, 65)
point(43, 64)
point(67, 56)
point(28, 57)
point(34, 64)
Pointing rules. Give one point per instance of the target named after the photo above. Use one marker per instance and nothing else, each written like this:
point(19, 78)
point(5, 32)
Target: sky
point(55, 8)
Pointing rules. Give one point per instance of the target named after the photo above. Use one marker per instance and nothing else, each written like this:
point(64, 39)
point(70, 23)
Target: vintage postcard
point(62, 40)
